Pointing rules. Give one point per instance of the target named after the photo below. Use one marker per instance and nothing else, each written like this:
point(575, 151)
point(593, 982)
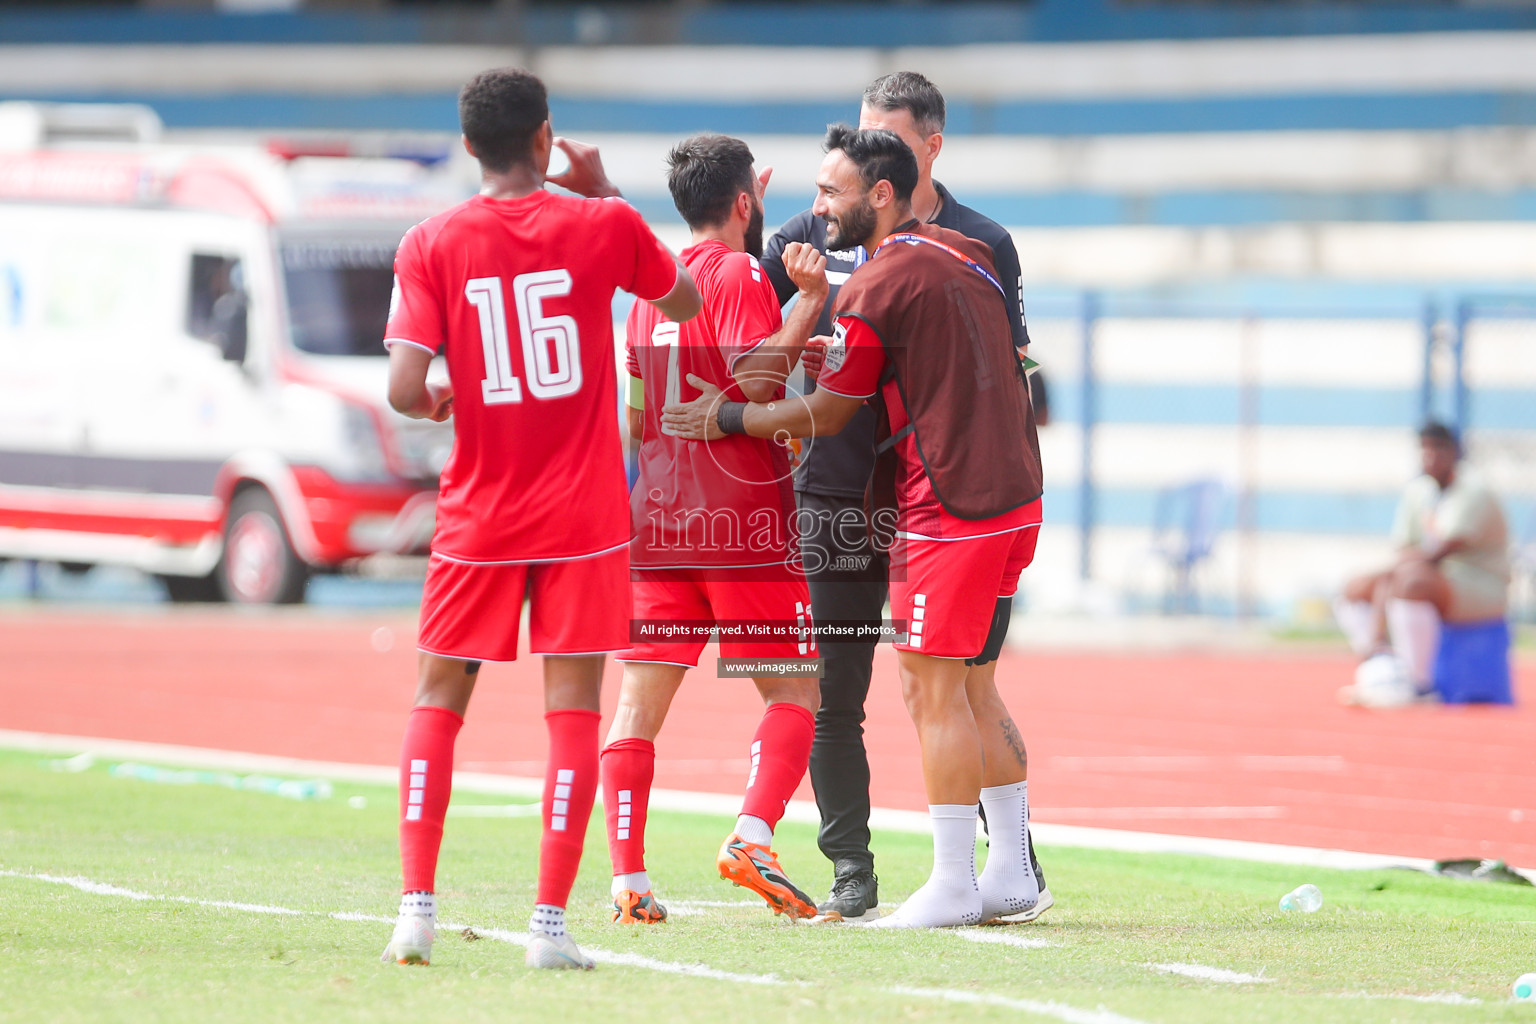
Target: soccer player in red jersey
point(915, 332)
point(514, 289)
point(714, 534)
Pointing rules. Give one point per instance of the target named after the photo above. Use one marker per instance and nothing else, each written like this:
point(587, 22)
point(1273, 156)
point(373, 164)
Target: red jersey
point(854, 364)
point(725, 503)
point(517, 295)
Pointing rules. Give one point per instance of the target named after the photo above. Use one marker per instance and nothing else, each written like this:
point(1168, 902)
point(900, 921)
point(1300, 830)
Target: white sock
point(1415, 630)
point(950, 896)
point(634, 881)
point(548, 919)
point(1358, 621)
point(1008, 884)
point(423, 903)
point(754, 830)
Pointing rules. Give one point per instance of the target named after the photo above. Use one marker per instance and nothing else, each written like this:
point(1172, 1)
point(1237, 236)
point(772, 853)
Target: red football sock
point(570, 786)
point(426, 782)
point(628, 766)
point(781, 750)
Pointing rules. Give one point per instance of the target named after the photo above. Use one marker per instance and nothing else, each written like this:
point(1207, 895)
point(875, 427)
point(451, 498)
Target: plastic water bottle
point(1525, 988)
point(293, 789)
point(1305, 898)
point(149, 773)
point(78, 763)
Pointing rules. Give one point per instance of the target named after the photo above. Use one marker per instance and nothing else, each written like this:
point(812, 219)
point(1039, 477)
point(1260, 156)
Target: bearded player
point(514, 289)
point(920, 332)
point(714, 535)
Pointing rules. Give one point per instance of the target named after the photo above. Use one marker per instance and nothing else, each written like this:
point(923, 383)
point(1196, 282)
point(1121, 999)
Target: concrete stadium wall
point(760, 23)
point(1407, 81)
point(1264, 220)
point(1434, 126)
point(1306, 421)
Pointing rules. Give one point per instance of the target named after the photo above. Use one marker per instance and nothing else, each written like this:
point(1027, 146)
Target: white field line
point(698, 908)
point(627, 959)
point(1048, 833)
point(994, 937)
point(1449, 998)
point(1045, 832)
point(1165, 813)
point(1205, 973)
point(646, 963)
point(103, 889)
point(1058, 1011)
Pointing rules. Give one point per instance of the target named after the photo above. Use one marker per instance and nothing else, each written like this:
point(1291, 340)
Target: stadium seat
point(1185, 525)
point(1523, 562)
point(1472, 665)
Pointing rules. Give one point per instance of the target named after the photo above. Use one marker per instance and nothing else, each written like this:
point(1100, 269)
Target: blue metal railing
point(1089, 307)
point(1469, 309)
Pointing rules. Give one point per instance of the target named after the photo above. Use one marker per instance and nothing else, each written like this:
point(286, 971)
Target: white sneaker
point(1044, 903)
point(554, 954)
point(411, 942)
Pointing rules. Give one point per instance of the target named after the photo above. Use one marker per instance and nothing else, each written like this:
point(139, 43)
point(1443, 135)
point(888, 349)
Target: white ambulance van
point(192, 380)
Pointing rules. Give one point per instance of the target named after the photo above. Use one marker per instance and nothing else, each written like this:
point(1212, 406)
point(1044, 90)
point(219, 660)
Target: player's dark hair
point(879, 155)
point(1438, 433)
point(909, 91)
point(705, 174)
point(499, 112)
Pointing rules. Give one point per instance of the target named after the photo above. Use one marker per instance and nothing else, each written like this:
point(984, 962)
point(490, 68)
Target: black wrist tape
point(729, 417)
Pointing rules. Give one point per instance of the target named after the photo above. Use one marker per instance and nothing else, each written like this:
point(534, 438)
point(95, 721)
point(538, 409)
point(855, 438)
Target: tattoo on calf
point(1015, 742)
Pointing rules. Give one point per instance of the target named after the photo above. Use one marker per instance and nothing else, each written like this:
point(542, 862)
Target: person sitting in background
point(1452, 565)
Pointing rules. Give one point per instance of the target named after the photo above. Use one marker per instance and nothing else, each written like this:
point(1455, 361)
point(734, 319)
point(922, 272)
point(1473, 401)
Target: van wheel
point(259, 564)
point(191, 589)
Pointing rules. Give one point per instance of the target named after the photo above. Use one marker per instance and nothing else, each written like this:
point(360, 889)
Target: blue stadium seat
point(1523, 563)
point(1472, 665)
point(1184, 529)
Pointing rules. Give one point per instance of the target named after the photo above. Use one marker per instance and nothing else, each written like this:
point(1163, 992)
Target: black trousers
point(848, 584)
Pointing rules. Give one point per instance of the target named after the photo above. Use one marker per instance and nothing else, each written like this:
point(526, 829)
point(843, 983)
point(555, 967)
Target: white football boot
point(411, 942)
point(549, 953)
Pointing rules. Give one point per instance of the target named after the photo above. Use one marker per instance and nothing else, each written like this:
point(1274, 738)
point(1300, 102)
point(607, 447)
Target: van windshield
point(338, 293)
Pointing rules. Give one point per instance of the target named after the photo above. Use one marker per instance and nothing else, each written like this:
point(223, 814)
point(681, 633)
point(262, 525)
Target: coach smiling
point(849, 583)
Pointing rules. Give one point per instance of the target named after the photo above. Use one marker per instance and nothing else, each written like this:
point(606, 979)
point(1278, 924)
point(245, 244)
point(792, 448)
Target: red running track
point(1235, 745)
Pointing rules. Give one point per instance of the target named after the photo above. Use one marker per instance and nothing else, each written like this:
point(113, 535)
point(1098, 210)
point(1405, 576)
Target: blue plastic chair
point(1472, 664)
point(1185, 525)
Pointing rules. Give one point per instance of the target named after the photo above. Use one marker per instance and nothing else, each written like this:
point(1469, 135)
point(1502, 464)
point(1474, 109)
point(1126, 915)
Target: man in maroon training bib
point(917, 332)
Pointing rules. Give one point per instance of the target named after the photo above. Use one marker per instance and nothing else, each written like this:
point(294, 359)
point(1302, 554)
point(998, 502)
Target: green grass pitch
point(139, 941)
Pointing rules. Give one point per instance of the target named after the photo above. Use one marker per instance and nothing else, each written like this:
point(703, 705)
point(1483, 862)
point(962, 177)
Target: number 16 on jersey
point(551, 347)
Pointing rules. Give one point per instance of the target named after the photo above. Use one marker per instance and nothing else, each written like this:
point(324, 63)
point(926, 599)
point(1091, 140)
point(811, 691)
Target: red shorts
point(579, 606)
point(947, 590)
point(731, 598)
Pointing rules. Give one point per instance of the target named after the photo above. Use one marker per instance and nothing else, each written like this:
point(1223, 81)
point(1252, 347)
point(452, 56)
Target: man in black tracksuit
point(830, 483)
